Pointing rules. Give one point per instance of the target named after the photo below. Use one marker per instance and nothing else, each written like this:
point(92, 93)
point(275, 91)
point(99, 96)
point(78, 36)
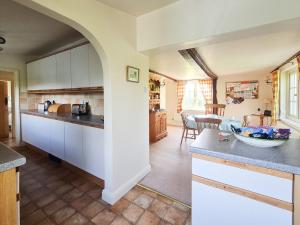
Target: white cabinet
point(93, 151)
point(80, 66)
point(214, 206)
point(33, 75)
point(81, 146)
point(95, 68)
point(76, 68)
point(48, 73)
point(74, 144)
point(63, 70)
point(57, 138)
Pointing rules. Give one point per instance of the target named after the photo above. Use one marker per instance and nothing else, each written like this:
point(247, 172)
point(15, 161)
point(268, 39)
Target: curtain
point(207, 90)
point(180, 94)
point(275, 102)
point(298, 60)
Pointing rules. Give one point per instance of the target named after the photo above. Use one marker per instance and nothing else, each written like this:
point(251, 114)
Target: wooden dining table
point(224, 126)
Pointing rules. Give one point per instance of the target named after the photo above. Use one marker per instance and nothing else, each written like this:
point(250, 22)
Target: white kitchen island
point(236, 184)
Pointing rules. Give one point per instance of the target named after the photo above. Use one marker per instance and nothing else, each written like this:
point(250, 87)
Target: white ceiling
point(255, 51)
point(137, 7)
point(172, 64)
point(29, 33)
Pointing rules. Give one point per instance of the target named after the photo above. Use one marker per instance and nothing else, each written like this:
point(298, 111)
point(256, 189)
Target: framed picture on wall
point(237, 92)
point(133, 74)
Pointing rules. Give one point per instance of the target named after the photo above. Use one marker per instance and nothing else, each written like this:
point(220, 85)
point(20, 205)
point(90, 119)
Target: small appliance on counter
point(46, 105)
point(81, 109)
point(59, 108)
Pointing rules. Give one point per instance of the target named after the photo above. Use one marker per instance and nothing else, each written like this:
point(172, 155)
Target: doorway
point(7, 106)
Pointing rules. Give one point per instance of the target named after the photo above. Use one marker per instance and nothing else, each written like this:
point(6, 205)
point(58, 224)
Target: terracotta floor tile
point(54, 206)
point(72, 195)
point(55, 184)
point(28, 209)
point(34, 218)
point(92, 209)
point(148, 218)
point(163, 222)
point(132, 195)
point(38, 193)
point(46, 221)
point(63, 189)
point(150, 193)
point(104, 218)
point(81, 202)
point(120, 221)
point(63, 214)
point(76, 219)
point(176, 216)
point(45, 200)
point(87, 186)
point(24, 200)
point(181, 207)
point(165, 200)
point(159, 208)
point(133, 213)
point(120, 206)
point(143, 201)
point(95, 193)
point(78, 182)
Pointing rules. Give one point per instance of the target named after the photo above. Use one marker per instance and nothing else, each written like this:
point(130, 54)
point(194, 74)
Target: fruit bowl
point(263, 137)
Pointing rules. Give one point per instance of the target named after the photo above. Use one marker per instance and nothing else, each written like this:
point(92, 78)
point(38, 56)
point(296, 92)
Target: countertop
point(284, 158)
point(87, 120)
point(10, 159)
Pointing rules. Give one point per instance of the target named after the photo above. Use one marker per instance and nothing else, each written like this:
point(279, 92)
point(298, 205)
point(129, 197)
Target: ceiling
point(258, 51)
point(27, 32)
point(172, 64)
point(137, 7)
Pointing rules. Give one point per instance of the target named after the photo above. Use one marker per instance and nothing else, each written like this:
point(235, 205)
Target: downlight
point(2, 40)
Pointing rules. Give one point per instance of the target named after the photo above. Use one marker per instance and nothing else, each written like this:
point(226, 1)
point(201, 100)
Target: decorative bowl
point(257, 142)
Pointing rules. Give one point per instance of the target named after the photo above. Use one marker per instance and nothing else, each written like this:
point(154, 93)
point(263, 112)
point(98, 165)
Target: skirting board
point(113, 197)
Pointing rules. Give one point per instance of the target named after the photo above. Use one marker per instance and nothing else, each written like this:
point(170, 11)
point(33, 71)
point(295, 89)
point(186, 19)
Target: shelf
point(86, 90)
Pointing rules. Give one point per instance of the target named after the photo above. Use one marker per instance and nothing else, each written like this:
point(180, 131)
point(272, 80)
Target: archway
point(112, 33)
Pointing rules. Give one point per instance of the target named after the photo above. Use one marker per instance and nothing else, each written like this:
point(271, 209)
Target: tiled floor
point(52, 194)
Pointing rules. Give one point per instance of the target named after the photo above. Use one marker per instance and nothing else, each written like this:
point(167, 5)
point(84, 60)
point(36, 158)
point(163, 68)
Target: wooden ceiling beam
point(287, 61)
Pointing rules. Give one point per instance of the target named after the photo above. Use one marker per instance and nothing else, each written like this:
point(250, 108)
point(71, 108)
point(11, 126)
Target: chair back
point(184, 116)
point(210, 123)
point(217, 109)
point(247, 120)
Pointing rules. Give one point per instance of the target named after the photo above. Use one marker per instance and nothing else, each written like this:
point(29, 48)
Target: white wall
point(249, 105)
point(191, 20)
point(126, 138)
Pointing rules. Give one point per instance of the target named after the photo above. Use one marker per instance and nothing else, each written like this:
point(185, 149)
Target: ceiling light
point(2, 40)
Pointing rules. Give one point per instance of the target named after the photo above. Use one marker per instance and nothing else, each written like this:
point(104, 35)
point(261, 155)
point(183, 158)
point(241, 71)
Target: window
point(193, 98)
point(293, 94)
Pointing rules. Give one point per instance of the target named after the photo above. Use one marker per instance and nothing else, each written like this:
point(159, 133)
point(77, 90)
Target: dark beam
point(287, 61)
point(192, 56)
point(163, 75)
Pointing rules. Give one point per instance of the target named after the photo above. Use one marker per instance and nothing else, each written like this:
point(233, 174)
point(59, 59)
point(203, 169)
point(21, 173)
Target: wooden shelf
point(86, 90)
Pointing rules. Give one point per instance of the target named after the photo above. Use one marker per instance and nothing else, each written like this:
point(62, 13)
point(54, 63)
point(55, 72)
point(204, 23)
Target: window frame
point(288, 74)
point(197, 85)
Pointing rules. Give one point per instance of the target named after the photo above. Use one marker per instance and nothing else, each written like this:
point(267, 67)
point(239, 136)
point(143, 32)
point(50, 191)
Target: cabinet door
point(93, 150)
point(48, 72)
point(57, 138)
point(25, 127)
point(80, 66)
point(214, 206)
point(33, 75)
point(63, 70)
point(95, 68)
point(41, 137)
point(74, 144)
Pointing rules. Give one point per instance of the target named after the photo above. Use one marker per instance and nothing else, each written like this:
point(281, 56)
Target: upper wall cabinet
point(79, 67)
point(63, 70)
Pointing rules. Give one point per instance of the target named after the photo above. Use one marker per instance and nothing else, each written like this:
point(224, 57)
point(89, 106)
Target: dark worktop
point(87, 120)
point(284, 158)
point(10, 159)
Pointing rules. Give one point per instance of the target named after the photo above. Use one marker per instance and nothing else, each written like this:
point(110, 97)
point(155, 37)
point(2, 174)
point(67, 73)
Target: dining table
point(224, 126)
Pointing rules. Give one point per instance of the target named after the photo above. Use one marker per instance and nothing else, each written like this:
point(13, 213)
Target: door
point(4, 131)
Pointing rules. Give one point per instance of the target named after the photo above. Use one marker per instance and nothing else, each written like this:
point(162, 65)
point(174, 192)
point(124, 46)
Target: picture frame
point(238, 91)
point(133, 74)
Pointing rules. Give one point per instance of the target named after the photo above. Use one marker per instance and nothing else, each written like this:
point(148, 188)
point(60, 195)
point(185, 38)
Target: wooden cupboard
point(157, 125)
point(79, 67)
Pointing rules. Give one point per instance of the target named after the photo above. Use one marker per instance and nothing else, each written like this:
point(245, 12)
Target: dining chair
point(186, 128)
point(211, 123)
point(217, 109)
point(247, 120)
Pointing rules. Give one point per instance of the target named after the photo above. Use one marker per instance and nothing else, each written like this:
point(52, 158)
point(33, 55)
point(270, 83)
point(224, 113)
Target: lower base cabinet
point(213, 206)
point(79, 145)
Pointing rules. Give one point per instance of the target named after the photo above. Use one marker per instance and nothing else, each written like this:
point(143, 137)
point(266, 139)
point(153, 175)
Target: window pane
point(293, 94)
point(193, 98)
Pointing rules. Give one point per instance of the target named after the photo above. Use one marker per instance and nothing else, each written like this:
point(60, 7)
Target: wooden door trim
point(253, 168)
point(242, 192)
